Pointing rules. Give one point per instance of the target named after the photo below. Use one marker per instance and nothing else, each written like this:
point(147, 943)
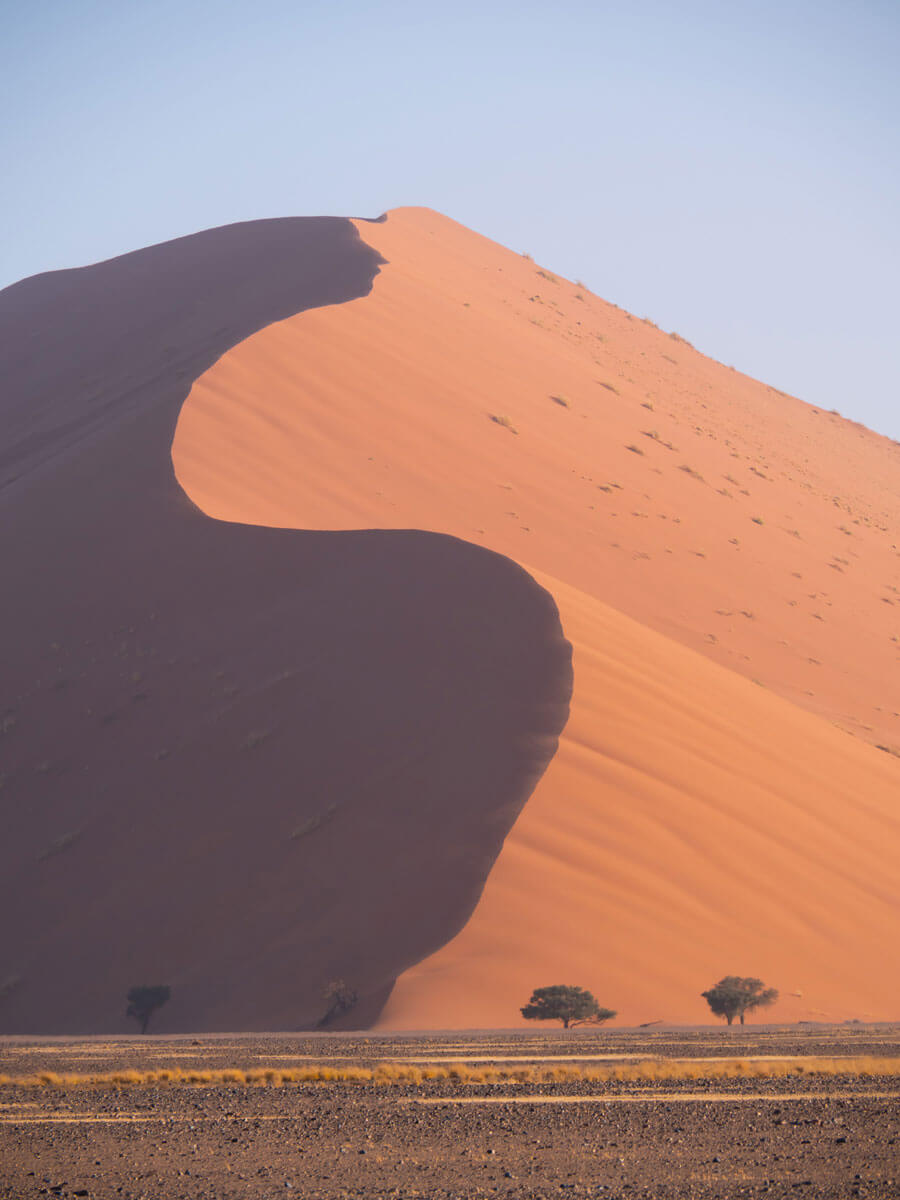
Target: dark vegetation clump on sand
point(694, 1134)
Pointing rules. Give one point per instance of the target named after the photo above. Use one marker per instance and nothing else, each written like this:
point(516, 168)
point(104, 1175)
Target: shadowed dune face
point(240, 761)
point(692, 824)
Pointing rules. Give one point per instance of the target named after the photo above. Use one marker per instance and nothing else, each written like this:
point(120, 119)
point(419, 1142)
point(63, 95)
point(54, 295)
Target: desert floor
point(800, 1134)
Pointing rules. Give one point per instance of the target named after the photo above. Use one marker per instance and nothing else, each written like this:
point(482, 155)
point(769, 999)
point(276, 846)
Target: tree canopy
point(734, 995)
point(144, 1000)
point(571, 1005)
point(340, 998)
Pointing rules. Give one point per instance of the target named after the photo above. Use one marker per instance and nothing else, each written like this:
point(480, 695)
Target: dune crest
point(685, 518)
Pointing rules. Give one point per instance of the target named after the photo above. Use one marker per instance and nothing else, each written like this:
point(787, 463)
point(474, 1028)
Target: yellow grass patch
point(647, 1070)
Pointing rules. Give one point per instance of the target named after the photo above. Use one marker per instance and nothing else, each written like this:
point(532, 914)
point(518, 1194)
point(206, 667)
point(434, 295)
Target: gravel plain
point(801, 1134)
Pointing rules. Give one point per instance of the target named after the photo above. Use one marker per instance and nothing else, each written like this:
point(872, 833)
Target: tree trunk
point(729, 1017)
point(145, 1021)
point(742, 1018)
point(565, 1022)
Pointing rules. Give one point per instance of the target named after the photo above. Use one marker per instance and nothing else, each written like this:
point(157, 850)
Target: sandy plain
point(756, 1134)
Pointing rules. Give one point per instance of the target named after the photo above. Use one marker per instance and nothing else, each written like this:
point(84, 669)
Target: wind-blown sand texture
point(723, 556)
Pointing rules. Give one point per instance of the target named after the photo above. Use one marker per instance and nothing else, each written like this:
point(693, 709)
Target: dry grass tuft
point(646, 1070)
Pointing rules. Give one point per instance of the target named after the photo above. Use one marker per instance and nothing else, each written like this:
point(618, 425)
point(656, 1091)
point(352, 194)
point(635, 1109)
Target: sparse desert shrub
point(689, 470)
point(504, 421)
point(634, 449)
point(610, 387)
point(735, 995)
point(561, 400)
point(757, 520)
point(144, 1000)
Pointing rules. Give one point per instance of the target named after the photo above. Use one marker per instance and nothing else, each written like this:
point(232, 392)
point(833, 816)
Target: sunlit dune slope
point(757, 529)
point(694, 823)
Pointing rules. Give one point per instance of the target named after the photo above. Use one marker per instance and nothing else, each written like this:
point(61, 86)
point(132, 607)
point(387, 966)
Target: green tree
point(733, 996)
point(571, 1005)
point(144, 1000)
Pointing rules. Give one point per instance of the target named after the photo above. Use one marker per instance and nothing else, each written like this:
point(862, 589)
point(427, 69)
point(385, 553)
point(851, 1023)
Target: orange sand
point(693, 824)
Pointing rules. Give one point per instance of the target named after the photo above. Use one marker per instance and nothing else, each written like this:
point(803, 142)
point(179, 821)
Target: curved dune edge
point(233, 759)
point(692, 824)
point(750, 526)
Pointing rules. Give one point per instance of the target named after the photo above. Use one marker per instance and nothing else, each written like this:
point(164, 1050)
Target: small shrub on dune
point(505, 422)
point(694, 474)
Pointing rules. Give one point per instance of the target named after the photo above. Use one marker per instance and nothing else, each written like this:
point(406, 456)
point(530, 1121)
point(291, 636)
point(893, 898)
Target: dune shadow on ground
point(238, 760)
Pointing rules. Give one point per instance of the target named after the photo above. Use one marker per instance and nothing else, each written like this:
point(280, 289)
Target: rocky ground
point(831, 1136)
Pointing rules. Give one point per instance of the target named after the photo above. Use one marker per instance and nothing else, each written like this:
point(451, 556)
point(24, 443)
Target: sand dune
point(686, 519)
point(239, 761)
point(692, 825)
point(754, 528)
point(247, 760)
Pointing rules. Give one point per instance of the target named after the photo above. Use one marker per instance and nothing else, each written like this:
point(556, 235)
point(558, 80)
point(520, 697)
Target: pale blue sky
point(730, 170)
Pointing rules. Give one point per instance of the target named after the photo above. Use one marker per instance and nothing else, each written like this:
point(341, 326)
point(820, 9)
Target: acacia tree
point(733, 996)
point(143, 1001)
point(571, 1005)
point(340, 998)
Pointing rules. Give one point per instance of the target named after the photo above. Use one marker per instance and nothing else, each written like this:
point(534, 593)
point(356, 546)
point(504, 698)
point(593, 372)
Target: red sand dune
point(243, 762)
point(725, 562)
